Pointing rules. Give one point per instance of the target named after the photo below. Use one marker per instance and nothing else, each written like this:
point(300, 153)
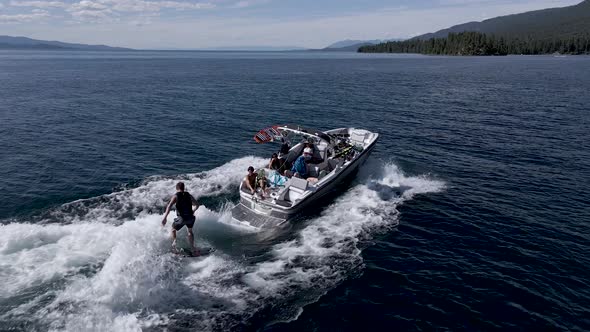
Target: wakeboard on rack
point(269, 134)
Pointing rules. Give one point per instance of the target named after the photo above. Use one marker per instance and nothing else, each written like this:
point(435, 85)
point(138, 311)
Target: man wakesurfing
point(185, 215)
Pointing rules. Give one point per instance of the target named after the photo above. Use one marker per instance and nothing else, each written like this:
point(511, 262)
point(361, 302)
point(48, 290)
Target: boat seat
point(295, 188)
point(357, 137)
point(333, 163)
point(299, 183)
point(324, 167)
point(322, 149)
point(317, 156)
point(314, 169)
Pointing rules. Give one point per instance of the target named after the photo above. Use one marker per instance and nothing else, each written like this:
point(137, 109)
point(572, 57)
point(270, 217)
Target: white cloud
point(93, 15)
point(95, 11)
point(134, 29)
point(22, 18)
point(132, 5)
point(101, 10)
point(248, 3)
point(153, 6)
point(186, 5)
point(90, 11)
point(87, 5)
point(39, 4)
point(316, 32)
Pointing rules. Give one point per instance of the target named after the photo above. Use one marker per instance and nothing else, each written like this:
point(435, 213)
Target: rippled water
point(471, 213)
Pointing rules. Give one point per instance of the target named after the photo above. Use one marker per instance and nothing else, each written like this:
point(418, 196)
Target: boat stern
point(245, 215)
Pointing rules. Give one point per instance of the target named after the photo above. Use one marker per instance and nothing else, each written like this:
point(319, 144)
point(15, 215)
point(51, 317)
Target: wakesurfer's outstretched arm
point(172, 202)
point(195, 204)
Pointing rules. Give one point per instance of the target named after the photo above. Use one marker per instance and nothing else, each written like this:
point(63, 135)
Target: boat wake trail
point(151, 195)
point(92, 266)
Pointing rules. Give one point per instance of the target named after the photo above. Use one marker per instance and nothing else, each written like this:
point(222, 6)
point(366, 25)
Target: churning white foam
point(325, 250)
point(105, 274)
point(154, 193)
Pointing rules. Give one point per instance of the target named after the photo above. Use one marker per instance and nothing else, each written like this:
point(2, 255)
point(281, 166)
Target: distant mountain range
point(254, 48)
point(563, 30)
point(24, 43)
point(352, 42)
point(551, 23)
point(563, 24)
point(350, 45)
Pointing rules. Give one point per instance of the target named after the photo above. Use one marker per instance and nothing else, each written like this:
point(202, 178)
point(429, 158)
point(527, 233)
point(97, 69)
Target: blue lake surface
point(472, 213)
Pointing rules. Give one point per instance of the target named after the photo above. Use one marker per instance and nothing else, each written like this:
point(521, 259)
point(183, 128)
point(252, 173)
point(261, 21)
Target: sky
point(200, 24)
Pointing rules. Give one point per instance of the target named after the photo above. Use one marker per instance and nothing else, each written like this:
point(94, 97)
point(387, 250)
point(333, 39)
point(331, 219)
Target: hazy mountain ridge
point(563, 22)
point(564, 30)
point(352, 42)
point(254, 48)
point(349, 45)
point(19, 43)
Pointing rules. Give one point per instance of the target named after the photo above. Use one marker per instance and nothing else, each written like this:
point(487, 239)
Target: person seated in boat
point(274, 162)
point(262, 182)
point(309, 145)
point(300, 168)
point(284, 148)
point(284, 164)
point(315, 156)
point(254, 180)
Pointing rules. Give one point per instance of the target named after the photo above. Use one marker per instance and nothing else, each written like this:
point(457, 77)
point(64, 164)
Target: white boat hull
point(264, 214)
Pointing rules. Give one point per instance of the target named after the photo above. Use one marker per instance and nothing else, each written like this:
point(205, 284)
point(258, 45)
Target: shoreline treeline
point(476, 43)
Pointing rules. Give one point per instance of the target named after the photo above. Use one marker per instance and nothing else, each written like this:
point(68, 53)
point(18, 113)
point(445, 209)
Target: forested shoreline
point(476, 43)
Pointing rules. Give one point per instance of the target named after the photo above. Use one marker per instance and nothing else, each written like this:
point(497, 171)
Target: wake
point(107, 265)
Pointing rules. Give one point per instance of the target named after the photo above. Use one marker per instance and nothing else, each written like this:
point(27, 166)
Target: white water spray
point(94, 272)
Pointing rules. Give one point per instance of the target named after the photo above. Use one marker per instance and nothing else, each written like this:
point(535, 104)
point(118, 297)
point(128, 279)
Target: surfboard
point(186, 252)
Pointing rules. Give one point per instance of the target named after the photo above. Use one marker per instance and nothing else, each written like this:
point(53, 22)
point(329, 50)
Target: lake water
point(490, 230)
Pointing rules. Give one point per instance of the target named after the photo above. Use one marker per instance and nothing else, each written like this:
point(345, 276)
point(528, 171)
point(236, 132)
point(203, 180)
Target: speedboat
point(337, 155)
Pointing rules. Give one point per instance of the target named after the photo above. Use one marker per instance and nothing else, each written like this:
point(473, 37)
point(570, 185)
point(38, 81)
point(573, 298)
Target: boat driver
point(299, 168)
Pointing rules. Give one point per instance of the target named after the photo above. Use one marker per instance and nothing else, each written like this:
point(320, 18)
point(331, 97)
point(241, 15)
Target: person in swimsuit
point(274, 162)
point(250, 180)
point(185, 215)
point(253, 179)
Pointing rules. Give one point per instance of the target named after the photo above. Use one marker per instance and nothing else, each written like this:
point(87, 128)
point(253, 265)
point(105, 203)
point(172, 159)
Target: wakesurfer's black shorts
point(180, 222)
